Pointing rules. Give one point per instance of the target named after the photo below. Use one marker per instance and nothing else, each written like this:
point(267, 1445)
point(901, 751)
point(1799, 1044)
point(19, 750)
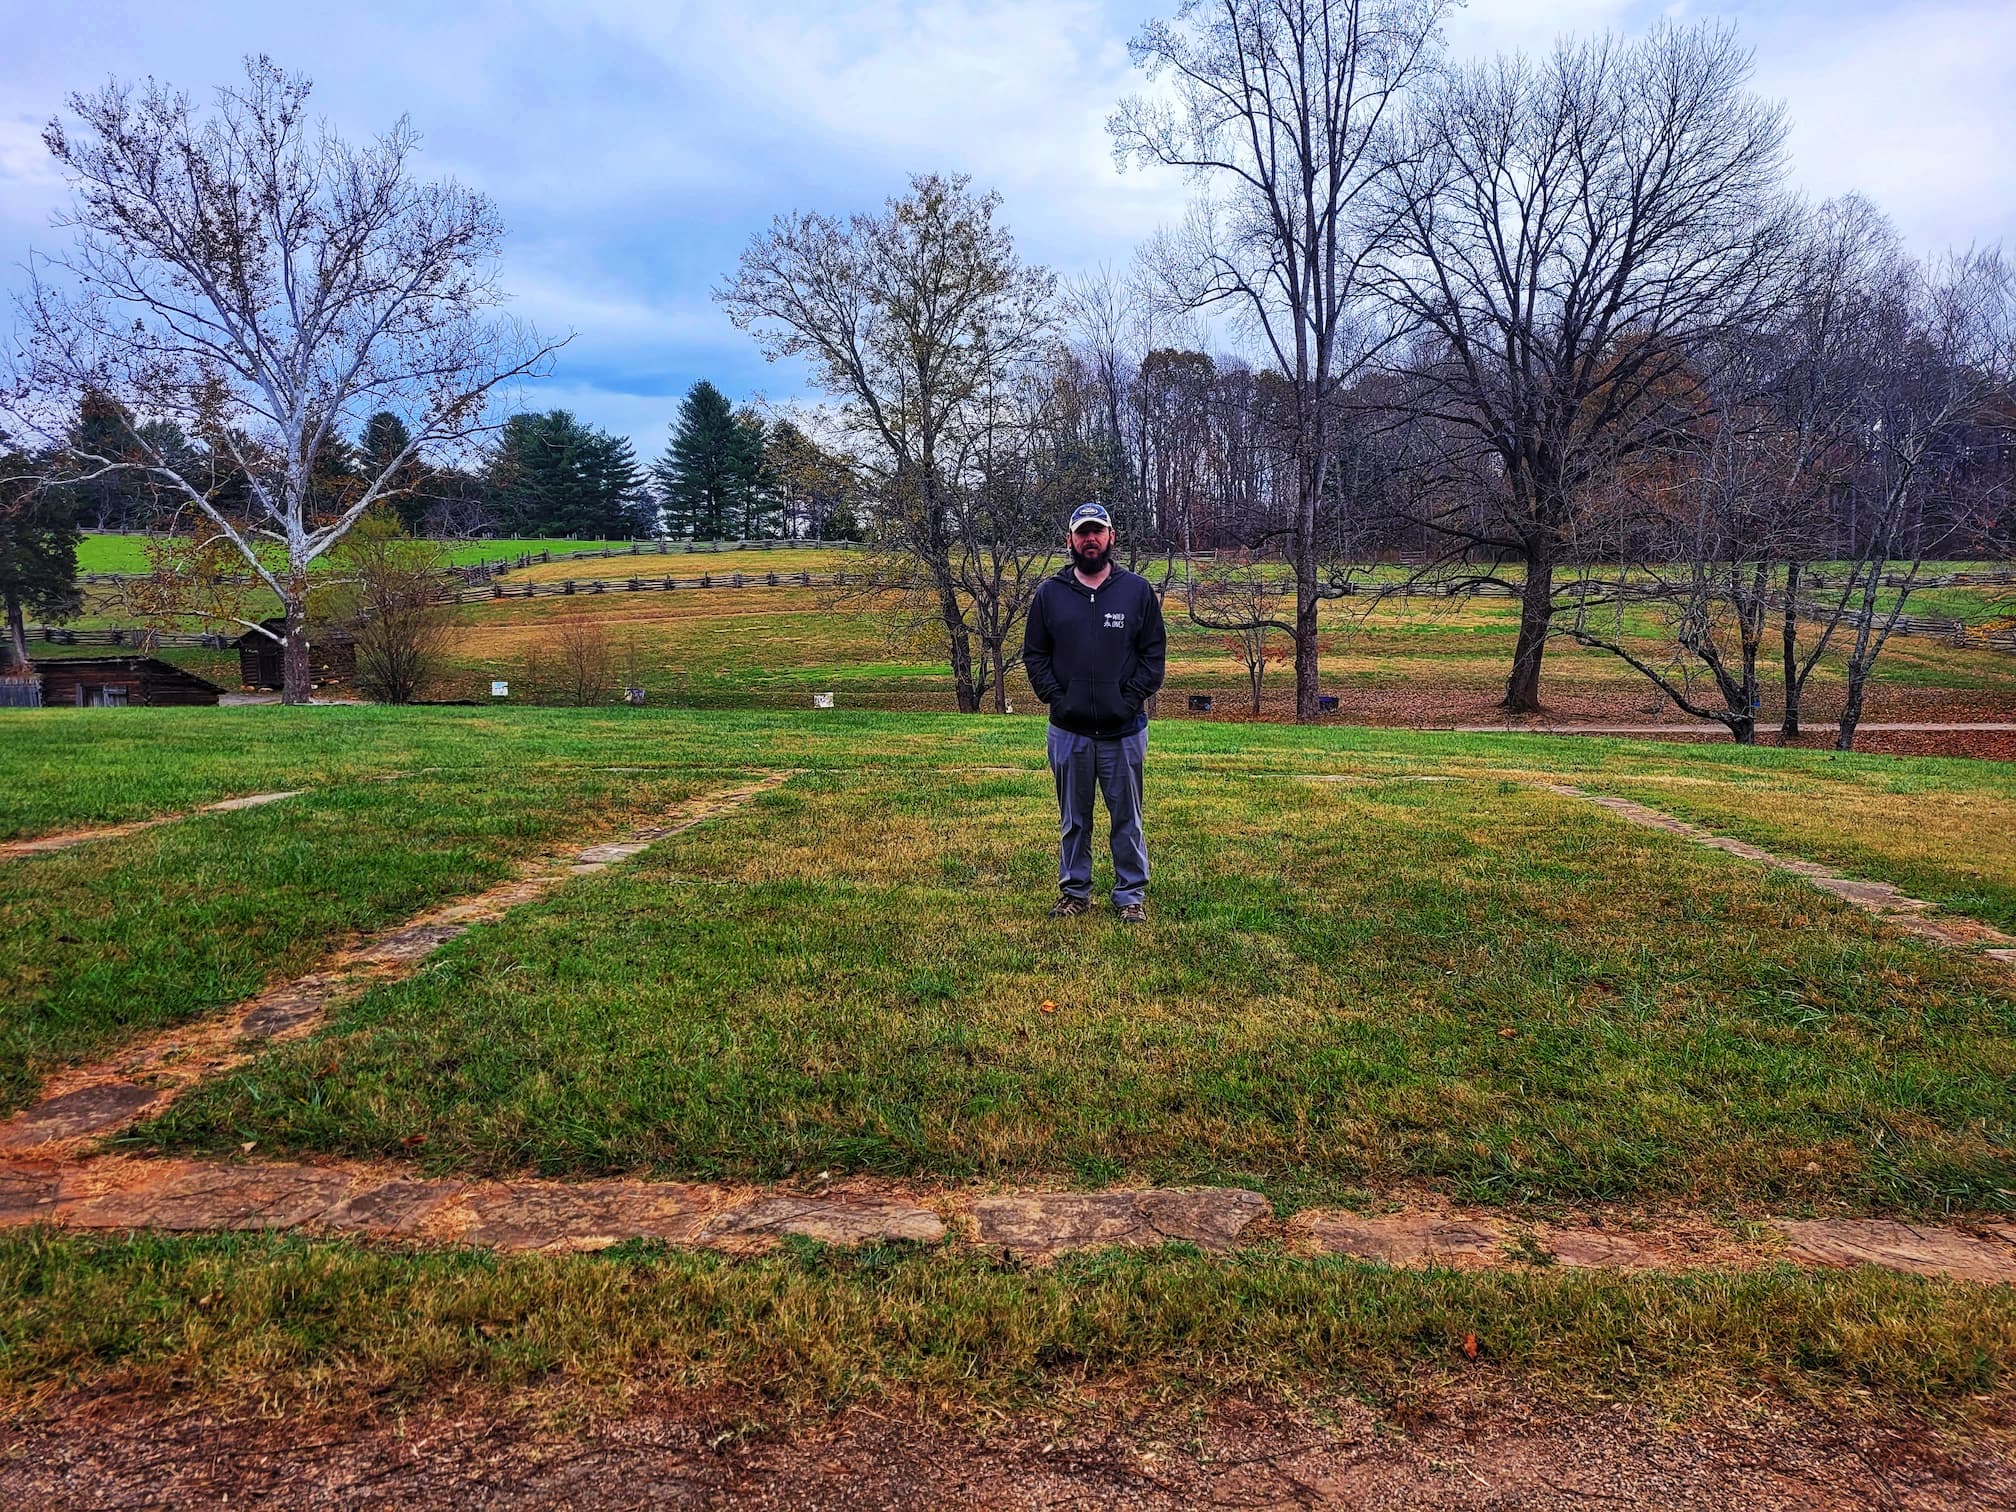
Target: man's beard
point(1091, 560)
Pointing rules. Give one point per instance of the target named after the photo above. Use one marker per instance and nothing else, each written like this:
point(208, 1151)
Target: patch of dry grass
point(289, 1322)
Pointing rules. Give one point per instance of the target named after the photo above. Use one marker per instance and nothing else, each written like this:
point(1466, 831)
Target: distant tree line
point(725, 474)
point(1551, 325)
point(1555, 325)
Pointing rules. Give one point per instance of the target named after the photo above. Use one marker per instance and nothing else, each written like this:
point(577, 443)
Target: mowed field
point(1382, 968)
point(1401, 661)
point(1411, 661)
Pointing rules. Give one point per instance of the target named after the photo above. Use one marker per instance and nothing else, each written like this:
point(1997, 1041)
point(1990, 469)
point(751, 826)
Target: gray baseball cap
point(1094, 514)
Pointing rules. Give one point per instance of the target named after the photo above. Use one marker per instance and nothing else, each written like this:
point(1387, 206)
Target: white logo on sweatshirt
point(1115, 620)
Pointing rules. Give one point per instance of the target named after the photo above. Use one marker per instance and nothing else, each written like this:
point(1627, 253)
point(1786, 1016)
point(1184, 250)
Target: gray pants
point(1080, 763)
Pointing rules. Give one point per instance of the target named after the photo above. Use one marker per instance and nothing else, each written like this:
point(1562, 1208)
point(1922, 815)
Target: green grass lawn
point(103, 941)
point(847, 974)
point(1317, 1007)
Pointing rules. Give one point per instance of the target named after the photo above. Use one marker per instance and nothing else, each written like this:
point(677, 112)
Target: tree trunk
point(1794, 688)
point(1745, 729)
point(1536, 617)
point(1851, 710)
point(296, 685)
point(1307, 673)
point(959, 648)
point(1000, 678)
point(17, 631)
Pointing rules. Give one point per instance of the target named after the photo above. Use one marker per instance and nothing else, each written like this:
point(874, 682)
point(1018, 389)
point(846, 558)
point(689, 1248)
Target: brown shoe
point(1133, 913)
point(1069, 907)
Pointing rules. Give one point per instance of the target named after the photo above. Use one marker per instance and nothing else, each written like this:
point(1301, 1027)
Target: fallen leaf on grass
point(1470, 1346)
point(1048, 1006)
point(247, 1146)
point(1508, 1034)
point(414, 1141)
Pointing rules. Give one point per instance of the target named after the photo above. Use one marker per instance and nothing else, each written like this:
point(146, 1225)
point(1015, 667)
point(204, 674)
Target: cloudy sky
point(634, 145)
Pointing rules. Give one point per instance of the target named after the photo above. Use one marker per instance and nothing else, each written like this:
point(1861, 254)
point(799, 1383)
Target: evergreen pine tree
point(385, 437)
point(761, 505)
point(551, 475)
point(334, 483)
point(38, 555)
point(114, 500)
point(707, 472)
point(622, 502)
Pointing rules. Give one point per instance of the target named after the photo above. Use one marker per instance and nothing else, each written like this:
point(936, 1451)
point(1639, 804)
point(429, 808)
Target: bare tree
point(1848, 255)
point(249, 279)
point(1714, 573)
point(1245, 599)
point(568, 662)
point(910, 318)
point(1026, 468)
point(1569, 237)
point(1743, 491)
point(387, 594)
point(1280, 112)
point(1940, 363)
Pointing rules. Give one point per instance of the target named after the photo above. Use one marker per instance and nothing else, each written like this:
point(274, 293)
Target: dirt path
point(13, 850)
point(704, 1450)
point(142, 1079)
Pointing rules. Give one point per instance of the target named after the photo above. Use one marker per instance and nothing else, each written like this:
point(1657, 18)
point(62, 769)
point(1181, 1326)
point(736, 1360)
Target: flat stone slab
point(1901, 1247)
point(1406, 1238)
point(398, 1207)
point(830, 1220)
point(42, 845)
point(252, 800)
point(602, 855)
point(563, 1216)
point(1876, 897)
point(1597, 1249)
point(88, 1110)
point(413, 943)
point(1039, 1223)
point(28, 1193)
point(300, 1002)
point(214, 1197)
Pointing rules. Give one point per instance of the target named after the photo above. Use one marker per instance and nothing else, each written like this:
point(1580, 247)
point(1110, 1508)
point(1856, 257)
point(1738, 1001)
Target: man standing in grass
point(1093, 648)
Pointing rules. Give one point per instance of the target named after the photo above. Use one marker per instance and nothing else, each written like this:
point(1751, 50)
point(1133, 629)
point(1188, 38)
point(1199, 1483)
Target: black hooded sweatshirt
point(1095, 655)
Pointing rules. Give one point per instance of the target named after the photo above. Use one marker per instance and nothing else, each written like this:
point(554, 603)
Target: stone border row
point(115, 1193)
point(1879, 898)
point(118, 1193)
point(141, 1079)
point(13, 850)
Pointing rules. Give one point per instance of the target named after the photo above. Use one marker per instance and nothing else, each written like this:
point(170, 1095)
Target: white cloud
point(1015, 92)
point(634, 145)
point(1485, 27)
point(1910, 105)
